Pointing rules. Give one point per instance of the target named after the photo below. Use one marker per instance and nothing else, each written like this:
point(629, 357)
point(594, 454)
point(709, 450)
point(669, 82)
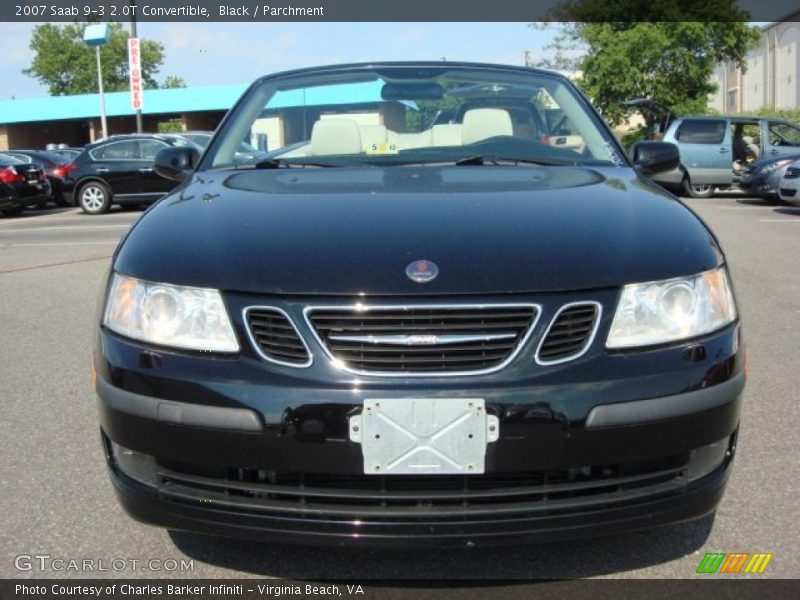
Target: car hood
point(354, 231)
point(765, 162)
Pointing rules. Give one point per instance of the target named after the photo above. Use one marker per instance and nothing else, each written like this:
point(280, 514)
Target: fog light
point(703, 461)
point(138, 466)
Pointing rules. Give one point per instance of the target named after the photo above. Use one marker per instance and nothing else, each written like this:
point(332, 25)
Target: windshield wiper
point(483, 159)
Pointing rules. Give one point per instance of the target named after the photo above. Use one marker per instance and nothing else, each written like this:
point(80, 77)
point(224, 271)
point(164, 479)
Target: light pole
point(97, 35)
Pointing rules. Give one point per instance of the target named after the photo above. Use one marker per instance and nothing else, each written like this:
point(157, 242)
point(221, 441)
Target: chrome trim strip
point(588, 343)
point(258, 350)
point(339, 364)
point(421, 339)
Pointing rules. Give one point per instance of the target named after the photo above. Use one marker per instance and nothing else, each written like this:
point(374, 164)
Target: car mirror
point(655, 157)
point(176, 162)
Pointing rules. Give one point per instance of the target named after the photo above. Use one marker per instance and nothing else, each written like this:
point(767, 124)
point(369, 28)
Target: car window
point(9, 160)
point(149, 148)
point(124, 150)
point(21, 157)
point(783, 134)
point(701, 132)
point(199, 139)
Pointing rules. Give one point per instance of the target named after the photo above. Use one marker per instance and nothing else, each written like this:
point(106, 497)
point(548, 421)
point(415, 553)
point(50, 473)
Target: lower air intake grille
point(423, 340)
point(276, 338)
point(408, 497)
point(570, 333)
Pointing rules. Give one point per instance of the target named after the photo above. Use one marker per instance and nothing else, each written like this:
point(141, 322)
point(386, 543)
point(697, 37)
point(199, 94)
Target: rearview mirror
point(410, 91)
point(655, 157)
point(176, 162)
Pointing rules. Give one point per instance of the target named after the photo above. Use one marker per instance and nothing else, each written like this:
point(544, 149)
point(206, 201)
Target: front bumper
point(761, 184)
point(788, 190)
point(245, 448)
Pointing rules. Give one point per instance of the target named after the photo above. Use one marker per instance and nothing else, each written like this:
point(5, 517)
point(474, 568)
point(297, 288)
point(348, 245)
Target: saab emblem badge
point(422, 271)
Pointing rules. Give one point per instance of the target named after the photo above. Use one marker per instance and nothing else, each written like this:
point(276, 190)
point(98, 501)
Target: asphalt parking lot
point(57, 499)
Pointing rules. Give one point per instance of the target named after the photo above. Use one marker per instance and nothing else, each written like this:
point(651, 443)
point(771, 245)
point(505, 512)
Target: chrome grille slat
point(400, 340)
point(425, 361)
point(420, 349)
point(467, 328)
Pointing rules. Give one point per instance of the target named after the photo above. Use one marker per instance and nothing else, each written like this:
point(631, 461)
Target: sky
point(237, 53)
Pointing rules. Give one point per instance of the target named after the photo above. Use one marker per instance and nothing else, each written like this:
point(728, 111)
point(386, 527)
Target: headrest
point(483, 123)
point(335, 136)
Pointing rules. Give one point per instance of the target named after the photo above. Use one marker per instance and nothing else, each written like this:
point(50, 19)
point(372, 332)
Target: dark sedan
point(22, 185)
point(118, 170)
point(763, 177)
point(397, 331)
point(54, 166)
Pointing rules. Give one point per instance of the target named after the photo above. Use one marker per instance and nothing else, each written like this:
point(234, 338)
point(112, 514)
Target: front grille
point(570, 333)
point(423, 339)
point(787, 193)
point(792, 173)
point(410, 497)
point(276, 338)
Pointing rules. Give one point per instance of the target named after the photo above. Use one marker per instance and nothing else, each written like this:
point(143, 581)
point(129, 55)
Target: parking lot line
point(69, 227)
point(780, 220)
point(765, 207)
point(48, 215)
point(27, 245)
point(58, 264)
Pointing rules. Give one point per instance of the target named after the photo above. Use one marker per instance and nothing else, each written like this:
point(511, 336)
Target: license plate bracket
point(424, 436)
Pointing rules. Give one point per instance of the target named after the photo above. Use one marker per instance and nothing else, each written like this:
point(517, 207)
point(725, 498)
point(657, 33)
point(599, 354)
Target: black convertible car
point(400, 327)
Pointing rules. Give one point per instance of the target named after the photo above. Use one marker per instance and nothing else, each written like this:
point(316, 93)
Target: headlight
point(658, 312)
point(169, 315)
point(778, 164)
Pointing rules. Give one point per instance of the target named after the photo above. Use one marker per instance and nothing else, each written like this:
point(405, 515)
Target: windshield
point(49, 157)
point(411, 115)
point(5, 159)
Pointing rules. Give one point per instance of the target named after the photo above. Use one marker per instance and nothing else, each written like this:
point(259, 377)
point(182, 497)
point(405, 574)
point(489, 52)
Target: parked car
point(118, 170)
point(22, 185)
point(715, 151)
point(53, 166)
point(790, 183)
point(763, 177)
point(403, 333)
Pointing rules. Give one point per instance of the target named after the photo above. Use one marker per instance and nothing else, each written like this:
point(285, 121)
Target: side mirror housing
point(176, 162)
point(654, 157)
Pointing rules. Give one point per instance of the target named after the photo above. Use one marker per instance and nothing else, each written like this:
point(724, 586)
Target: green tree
point(629, 49)
point(66, 65)
point(173, 81)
